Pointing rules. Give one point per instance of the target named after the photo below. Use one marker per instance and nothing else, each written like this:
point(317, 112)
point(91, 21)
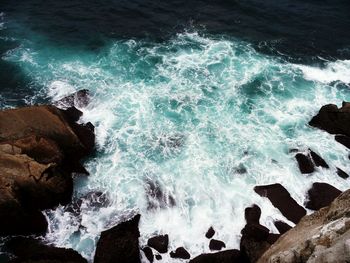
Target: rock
point(305, 163)
point(180, 252)
point(156, 197)
point(148, 253)
point(320, 237)
point(321, 195)
point(73, 114)
point(216, 244)
point(120, 243)
point(332, 119)
point(159, 243)
point(318, 160)
point(282, 200)
point(210, 233)
point(79, 99)
point(342, 174)
point(31, 250)
point(158, 257)
point(343, 139)
point(252, 214)
point(227, 256)
point(282, 226)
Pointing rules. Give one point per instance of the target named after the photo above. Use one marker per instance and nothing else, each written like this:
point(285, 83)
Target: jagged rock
point(148, 253)
point(282, 200)
point(28, 250)
point(227, 256)
point(343, 139)
point(332, 119)
point(79, 99)
point(282, 226)
point(180, 252)
point(321, 195)
point(159, 243)
point(342, 174)
point(216, 244)
point(120, 243)
point(318, 160)
point(210, 233)
point(305, 163)
point(320, 237)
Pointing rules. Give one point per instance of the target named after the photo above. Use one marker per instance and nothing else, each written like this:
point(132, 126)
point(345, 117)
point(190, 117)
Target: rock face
point(31, 250)
point(281, 199)
point(320, 237)
point(227, 256)
point(119, 244)
point(39, 148)
point(321, 195)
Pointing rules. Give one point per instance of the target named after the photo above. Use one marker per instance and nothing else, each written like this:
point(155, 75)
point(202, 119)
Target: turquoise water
point(206, 118)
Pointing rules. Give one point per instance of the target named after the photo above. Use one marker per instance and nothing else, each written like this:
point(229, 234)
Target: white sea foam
point(186, 115)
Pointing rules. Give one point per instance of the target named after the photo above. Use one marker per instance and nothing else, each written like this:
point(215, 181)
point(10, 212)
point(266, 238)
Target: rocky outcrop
point(320, 237)
point(120, 243)
point(40, 146)
point(321, 195)
point(282, 200)
point(30, 250)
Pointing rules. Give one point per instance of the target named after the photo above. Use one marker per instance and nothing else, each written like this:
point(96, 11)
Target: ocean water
point(202, 102)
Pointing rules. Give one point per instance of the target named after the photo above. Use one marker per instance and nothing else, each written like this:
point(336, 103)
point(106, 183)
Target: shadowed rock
point(305, 163)
point(119, 244)
point(342, 174)
point(210, 233)
point(227, 256)
point(282, 226)
point(343, 139)
point(159, 243)
point(158, 257)
point(216, 244)
point(318, 160)
point(282, 200)
point(180, 252)
point(321, 195)
point(148, 253)
point(28, 250)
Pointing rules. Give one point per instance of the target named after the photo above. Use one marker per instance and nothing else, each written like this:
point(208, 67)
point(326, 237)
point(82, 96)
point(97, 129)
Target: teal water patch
point(204, 118)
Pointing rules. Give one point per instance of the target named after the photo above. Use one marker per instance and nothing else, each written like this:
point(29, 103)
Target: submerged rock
point(210, 233)
point(321, 195)
point(305, 163)
point(227, 256)
point(30, 250)
point(181, 253)
point(159, 243)
point(120, 243)
point(282, 200)
point(216, 244)
point(320, 237)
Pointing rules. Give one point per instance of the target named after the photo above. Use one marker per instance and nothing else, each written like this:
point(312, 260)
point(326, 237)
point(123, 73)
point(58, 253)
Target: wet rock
point(216, 244)
point(120, 243)
point(159, 243)
point(148, 253)
point(343, 139)
point(156, 198)
point(332, 119)
point(158, 257)
point(318, 160)
point(342, 174)
point(241, 169)
point(73, 114)
point(92, 201)
point(320, 237)
point(180, 252)
point(305, 163)
point(210, 233)
point(282, 226)
point(31, 250)
point(78, 99)
point(227, 256)
point(321, 195)
point(282, 200)
point(252, 214)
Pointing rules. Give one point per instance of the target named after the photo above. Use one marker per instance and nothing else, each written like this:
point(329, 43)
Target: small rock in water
point(148, 253)
point(305, 164)
point(158, 257)
point(342, 174)
point(79, 99)
point(318, 160)
point(241, 169)
point(216, 244)
point(321, 195)
point(252, 214)
point(210, 233)
point(227, 256)
point(180, 253)
point(159, 243)
point(282, 226)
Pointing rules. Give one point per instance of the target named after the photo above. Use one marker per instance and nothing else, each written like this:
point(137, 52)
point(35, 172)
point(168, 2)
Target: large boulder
point(159, 243)
point(320, 237)
point(321, 195)
point(120, 244)
point(29, 250)
point(281, 199)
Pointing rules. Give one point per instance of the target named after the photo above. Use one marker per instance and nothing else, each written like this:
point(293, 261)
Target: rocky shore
point(41, 147)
